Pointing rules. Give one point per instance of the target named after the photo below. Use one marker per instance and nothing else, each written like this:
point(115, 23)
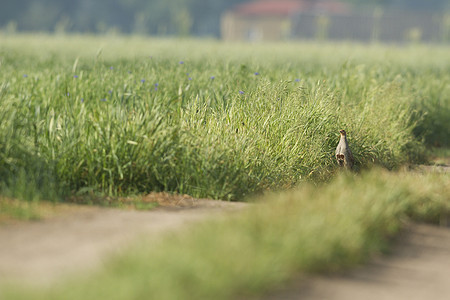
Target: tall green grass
point(129, 115)
point(312, 229)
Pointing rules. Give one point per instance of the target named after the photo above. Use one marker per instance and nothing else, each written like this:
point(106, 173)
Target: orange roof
point(270, 7)
point(288, 7)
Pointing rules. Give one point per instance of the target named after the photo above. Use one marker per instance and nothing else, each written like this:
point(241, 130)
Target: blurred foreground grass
point(312, 229)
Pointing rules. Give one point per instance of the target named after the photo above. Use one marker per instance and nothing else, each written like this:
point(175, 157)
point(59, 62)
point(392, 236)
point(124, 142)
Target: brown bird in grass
point(344, 155)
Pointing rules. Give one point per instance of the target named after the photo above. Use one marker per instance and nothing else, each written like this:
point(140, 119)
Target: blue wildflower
point(256, 73)
point(213, 77)
point(156, 84)
point(190, 78)
point(111, 68)
point(142, 80)
point(25, 75)
point(104, 99)
point(297, 80)
point(241, 92)
point(82, 100)
point(181, 62)
point(75, 76)
point(110, 92)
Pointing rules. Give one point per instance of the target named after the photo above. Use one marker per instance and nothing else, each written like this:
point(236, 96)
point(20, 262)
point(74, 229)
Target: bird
point(344, 155)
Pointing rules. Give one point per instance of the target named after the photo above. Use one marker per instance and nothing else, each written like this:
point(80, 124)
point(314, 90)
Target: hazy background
point(151, 17)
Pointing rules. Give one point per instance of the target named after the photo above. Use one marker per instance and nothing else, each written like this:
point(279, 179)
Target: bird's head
point(342, 132)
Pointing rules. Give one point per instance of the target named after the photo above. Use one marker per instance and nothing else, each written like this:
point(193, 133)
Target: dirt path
point(78, 238)
point(417, 269)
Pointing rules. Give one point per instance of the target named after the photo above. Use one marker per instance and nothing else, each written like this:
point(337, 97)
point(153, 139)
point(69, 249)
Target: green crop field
point(119, 116)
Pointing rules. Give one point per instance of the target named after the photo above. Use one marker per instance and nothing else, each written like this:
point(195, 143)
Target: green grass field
point(120, 116)
point(85, 116)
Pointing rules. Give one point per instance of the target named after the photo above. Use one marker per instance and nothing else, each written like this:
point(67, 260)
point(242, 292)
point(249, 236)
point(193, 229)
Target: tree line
point(152, 17)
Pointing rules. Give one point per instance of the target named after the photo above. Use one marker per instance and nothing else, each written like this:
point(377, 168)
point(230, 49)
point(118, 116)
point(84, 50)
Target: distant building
point(271, 20)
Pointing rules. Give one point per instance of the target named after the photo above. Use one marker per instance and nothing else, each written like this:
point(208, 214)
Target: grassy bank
point(18, 210)
point(312, 229)
point(119, 116)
